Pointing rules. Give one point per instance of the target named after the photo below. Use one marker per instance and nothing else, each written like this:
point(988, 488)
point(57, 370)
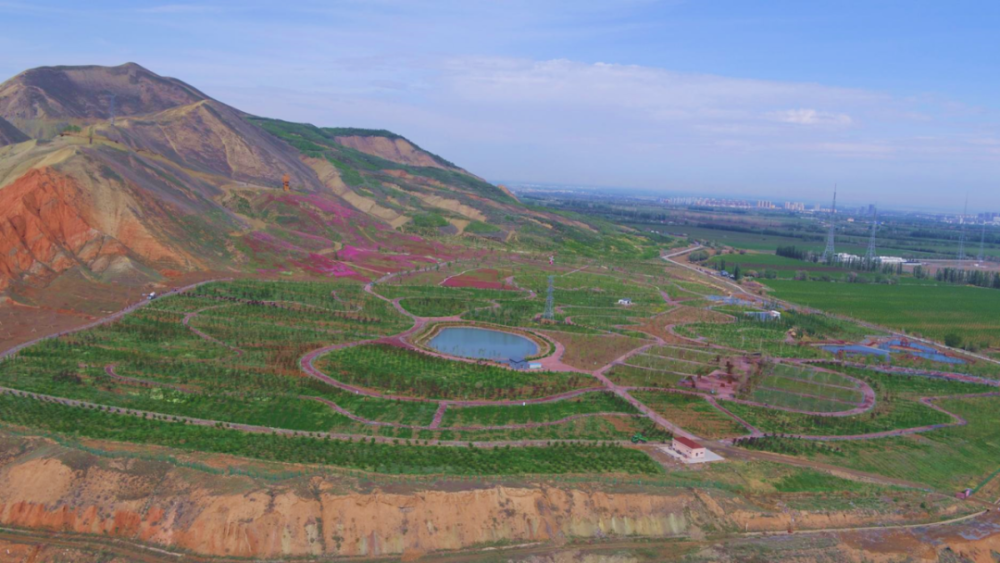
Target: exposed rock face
point(48, 224)
point(9, 134)
point(48, 487)
point(396, 149)
point(159, 504)
point(208, 136)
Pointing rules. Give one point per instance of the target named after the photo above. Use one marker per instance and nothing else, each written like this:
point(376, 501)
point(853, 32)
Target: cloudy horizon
point(892, 101)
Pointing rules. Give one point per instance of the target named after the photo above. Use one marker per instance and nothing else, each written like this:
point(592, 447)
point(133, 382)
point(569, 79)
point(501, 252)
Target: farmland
point(931, 311)
point(369, 456)
point(693, 414)
point(393, 370)
point(808, 390)
point(898, 406)
point(952, 458)
point(335, 372)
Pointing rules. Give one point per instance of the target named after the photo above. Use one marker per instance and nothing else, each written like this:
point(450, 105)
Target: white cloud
point(811, 117)
point(657, 93)
point(181, 9)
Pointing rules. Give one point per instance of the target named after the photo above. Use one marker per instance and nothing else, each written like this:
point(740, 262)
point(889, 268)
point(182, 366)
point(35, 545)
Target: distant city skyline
point(893, 100)
point(751, 199)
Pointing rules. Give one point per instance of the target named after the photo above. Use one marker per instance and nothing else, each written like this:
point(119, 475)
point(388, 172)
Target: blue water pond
point(884, 349)
point(483, 343)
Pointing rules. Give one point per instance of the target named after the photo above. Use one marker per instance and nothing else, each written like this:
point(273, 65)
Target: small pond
point(895, 346)
point(857, 350)
point(911, 348)
point(483, 343)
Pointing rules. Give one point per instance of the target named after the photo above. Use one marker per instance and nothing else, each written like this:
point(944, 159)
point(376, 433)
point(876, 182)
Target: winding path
point(187, 322)
point(105, 320)
point(552, 362)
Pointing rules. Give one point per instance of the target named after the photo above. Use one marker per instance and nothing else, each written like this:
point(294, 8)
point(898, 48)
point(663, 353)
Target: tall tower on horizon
point(830, 252)
point(982, 244)
point(870, 255)
point(961, 236)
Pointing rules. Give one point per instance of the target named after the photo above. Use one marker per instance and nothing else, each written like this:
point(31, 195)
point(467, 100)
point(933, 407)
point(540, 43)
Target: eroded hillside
point(192, 505)
point(128, 175)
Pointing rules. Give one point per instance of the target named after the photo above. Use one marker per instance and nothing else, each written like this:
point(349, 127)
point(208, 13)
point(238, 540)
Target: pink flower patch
point(327, 206)
point(477, 279)
point(322, 265)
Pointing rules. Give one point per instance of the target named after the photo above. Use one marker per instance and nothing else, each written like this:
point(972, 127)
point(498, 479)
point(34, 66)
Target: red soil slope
point(49, 225)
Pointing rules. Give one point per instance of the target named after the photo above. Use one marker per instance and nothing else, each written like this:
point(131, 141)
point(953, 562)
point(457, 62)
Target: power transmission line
point(550, 301)
point(830, 252)
point(982, 243)
point(870, 255)
point(961, 236)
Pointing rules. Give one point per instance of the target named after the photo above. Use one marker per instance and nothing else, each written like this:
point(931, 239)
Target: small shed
point(688, 448)
point(625, 301)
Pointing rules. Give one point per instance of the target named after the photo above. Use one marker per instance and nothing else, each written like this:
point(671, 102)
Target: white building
point(688, 448)
point(764, 315)
point(625, 301)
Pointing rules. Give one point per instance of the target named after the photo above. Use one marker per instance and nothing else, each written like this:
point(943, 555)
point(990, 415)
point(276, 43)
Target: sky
point(895, 102)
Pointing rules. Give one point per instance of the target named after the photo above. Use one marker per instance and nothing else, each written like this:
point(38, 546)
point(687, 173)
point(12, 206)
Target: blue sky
point(895, 101)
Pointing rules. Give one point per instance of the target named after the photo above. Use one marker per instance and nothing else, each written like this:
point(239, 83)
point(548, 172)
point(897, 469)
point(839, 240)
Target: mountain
point(134, 178)
point(41, 100)
point(9, 134)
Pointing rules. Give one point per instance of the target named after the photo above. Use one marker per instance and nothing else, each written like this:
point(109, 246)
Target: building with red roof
point(688, 448)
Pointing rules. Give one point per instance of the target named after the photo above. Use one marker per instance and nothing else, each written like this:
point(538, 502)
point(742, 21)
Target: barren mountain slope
point(10, 134)
point(98, 209)
point(208, 136)
point(178, 183)
point(37, 101)
point(388, 145)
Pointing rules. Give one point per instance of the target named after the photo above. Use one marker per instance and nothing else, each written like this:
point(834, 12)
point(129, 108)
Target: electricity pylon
point(870, 255)
point(830, 252)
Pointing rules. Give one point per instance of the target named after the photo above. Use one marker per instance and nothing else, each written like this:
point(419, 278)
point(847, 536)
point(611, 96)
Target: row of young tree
point(977, 278)
point(860, 265)
point(737, 272)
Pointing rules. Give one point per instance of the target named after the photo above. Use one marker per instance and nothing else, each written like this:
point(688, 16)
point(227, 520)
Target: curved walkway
point(890, 370)
point(187, 322)
point(110, 318)
point(551, 362)
point(110, 370)
point(256, 429)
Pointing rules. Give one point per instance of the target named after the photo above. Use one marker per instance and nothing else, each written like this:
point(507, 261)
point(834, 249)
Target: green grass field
point(951, 458)
point(381, 458)
point(692, 413)
point(932, 311)
point(399, 371)
point(784, 268)
point(897, 406)
point(806, 389)
point(544, 412)
point(639, 377)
